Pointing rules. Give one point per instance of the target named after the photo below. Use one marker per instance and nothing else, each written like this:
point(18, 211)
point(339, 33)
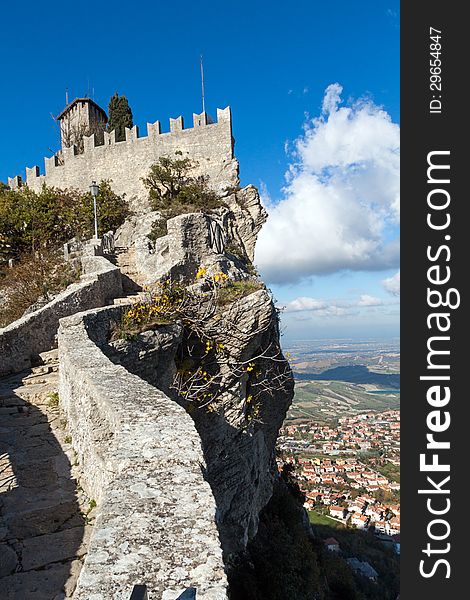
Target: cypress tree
point(119, 116)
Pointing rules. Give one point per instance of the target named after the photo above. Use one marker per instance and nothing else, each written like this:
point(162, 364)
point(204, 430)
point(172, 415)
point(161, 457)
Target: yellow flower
point(201, 272)
point(220, 277)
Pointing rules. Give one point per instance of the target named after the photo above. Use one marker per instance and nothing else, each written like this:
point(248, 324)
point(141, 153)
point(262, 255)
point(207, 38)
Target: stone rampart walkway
point(44, 517)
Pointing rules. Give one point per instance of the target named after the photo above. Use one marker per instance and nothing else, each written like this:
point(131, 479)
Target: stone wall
point(209, 145)
point(36, 332)
point(143, 463)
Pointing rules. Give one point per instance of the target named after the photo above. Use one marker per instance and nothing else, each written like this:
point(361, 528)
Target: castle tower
point(82, 117)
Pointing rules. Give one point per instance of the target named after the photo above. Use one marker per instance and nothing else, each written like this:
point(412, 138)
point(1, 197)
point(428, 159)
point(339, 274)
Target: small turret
point(80, 118)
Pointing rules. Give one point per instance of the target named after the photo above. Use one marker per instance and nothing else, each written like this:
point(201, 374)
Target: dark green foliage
point(31, 221)
point(112, 210)
point(366, 547)
point(173, 191)
point(119, 116)
point(235, 249)
point(281, 563)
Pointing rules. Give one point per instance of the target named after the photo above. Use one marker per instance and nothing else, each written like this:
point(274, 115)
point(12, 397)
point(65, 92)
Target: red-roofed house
point(332, 544)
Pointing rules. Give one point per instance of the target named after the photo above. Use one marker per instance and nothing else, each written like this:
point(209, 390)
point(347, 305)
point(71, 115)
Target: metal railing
point(140, 593)
point(189, 594)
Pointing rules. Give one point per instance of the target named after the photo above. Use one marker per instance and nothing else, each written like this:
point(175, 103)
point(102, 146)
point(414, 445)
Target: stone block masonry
point(143, 463)
point(208, 145)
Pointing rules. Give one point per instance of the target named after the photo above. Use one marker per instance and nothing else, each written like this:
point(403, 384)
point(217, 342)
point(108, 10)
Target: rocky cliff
point(215, 350)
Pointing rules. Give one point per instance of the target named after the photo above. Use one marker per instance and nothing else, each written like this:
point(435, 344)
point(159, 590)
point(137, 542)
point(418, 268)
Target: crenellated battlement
point(209, 145)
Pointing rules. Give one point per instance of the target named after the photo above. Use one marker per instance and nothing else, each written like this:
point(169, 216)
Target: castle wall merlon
point(154, 129)
point(110, 137)
point(132, 134)
point(51, 163)
point(89, 142)
point(224, 114)
point(69, 153)
point(176, 124)
point(32, 175)
point(200, 120)
point(15, 183)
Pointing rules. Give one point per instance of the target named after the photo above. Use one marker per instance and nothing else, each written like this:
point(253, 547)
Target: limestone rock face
point(247, 218)
point(239, 451)
point(151, 355)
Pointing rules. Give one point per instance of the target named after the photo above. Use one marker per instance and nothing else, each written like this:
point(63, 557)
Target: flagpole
point(202, 86)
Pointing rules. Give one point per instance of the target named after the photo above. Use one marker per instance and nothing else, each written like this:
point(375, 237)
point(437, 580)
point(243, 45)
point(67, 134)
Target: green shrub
point(35, 221)
point(234, 290)
point(35, 277)
point(53, 399)
point(159, 229)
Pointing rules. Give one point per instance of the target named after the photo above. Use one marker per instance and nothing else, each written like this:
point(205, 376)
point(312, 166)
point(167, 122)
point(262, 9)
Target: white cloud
point(331, 308)
point(319, 308)
point(392, 284)
point(331, 98)
point(304, 303)
point(264, 194)
point(366, 300)
point(340, 205)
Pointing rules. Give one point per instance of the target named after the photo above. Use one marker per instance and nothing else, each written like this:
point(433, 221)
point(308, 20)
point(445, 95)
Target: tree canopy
point(119, 116)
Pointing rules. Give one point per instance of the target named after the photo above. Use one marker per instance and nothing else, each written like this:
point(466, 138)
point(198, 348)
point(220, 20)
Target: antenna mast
point(66, 96)
point(202, 86)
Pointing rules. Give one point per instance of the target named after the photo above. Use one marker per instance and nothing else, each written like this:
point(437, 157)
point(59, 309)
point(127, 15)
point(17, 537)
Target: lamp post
point(94, 189)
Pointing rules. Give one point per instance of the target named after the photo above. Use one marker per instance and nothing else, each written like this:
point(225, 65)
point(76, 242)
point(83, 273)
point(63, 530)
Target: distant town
point(333, 482)
point(346, 465)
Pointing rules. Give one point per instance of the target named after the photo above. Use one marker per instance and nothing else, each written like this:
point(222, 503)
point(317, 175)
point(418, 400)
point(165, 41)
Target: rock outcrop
point(227, 234)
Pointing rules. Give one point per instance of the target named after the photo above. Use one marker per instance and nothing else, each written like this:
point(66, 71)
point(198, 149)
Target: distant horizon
point(285, 341)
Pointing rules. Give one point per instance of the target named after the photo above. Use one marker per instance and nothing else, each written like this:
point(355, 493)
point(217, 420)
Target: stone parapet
point(143, 463)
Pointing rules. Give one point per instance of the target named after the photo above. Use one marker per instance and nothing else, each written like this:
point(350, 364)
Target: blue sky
point(271, 62)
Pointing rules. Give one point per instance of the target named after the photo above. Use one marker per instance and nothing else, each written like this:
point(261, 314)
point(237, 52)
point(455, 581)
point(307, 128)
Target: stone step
point(44, 584)
point(42, 369)
point(43, 533)
point(51, 356)
point(34, 380)
point(131, 299)
point(125, 300)
point(54, 547)
point(38, 521)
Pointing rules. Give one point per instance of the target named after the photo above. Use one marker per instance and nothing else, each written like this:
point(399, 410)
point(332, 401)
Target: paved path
point(44, 517)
